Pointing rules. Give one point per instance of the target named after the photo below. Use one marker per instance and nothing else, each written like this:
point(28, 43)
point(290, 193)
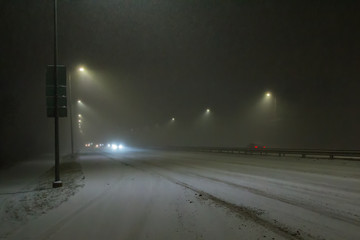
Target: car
point(256, 146)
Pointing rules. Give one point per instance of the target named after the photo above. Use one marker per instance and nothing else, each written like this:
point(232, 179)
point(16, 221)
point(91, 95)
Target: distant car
point(94, 146)
point(256, 146)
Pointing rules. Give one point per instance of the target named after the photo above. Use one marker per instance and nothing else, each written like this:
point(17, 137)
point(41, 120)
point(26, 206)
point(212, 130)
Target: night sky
point(149, 61)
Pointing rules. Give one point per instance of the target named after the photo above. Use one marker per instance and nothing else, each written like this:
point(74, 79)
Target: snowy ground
point(26, 190)
point(179, 195)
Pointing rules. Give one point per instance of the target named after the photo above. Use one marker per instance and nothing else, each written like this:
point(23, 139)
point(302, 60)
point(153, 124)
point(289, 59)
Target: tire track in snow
point(246, 212)
point(292, 202)
point(60, 224)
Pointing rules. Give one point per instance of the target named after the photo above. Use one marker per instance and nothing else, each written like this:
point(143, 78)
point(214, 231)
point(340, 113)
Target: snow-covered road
point(181, 195)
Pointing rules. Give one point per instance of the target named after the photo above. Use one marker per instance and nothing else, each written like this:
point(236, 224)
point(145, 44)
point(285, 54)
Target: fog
point(147, 62)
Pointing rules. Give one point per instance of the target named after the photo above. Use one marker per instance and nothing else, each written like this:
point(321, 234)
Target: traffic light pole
point(57, 183)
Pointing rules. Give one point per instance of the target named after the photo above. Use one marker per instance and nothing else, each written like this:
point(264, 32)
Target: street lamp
point(268, 95)
point(70, 109)
point(208, 110)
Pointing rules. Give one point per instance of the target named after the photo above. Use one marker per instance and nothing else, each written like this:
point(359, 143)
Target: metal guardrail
point(266, 151)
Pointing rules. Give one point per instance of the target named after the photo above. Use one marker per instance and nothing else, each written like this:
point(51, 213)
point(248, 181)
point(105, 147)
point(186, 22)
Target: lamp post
point(71, 118)
point(269, 94)
point(70, 110)
point(57, 183)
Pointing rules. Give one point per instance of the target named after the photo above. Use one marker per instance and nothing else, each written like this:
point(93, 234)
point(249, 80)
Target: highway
point(143, 194)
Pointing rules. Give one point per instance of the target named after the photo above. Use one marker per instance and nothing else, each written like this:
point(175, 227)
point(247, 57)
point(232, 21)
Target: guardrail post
point(331, 156)
point(303, 155)
point(279, 154)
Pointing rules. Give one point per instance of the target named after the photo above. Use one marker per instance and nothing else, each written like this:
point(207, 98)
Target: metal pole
point(275, 108)
point(71, 118)
point(57, 183)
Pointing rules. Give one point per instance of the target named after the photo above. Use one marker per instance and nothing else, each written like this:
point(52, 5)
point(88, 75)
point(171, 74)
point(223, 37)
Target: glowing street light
point(208, 110)
point(268, 94)
point(79, 115)
point(173, 119)
point(81, 69)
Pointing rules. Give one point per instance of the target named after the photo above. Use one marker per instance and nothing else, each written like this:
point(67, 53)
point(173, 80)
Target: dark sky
point(149, 61)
